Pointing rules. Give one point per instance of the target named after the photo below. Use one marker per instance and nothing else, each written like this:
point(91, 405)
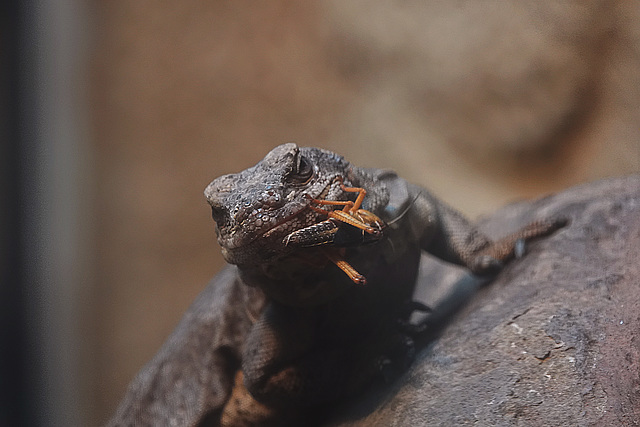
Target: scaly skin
point(308, 334)
point(300, 357)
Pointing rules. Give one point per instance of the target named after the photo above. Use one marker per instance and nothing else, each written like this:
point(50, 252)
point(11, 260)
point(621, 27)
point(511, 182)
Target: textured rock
point(553, 340)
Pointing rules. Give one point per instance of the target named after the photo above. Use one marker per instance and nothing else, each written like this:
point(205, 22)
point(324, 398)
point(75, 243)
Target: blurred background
point(116, 115)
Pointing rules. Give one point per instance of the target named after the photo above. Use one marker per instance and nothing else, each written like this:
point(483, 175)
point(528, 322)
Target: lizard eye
point(302, 172)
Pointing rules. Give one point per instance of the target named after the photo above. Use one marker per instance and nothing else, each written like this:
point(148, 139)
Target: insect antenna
point(392, 247)
point(405, 210)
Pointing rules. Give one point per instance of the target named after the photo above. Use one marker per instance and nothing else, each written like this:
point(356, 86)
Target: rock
point(553, 340)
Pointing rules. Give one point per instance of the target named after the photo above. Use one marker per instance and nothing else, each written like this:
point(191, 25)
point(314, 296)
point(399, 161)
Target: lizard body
point(317, 336)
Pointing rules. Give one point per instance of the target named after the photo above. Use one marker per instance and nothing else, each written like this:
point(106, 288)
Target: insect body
point(349, 234)
point(340, 229)
point(350, 226)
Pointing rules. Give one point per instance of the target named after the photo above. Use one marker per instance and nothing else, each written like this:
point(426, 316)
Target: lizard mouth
point(292, 223)
point(268, 244)
point(302, 218)
point(238, 238)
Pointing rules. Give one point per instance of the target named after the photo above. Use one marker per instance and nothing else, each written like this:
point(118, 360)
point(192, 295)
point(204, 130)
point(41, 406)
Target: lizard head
point(256, 208)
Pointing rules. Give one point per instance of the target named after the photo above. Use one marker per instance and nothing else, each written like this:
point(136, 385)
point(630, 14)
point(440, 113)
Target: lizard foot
point(393, 364)
point(242, 410)
point(406, 326)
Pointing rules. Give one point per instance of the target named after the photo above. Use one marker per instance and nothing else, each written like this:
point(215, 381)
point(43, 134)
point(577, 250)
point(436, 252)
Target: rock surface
point(553, 340)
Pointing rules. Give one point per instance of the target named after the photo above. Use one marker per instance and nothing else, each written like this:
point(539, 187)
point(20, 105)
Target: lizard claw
point(519, 248)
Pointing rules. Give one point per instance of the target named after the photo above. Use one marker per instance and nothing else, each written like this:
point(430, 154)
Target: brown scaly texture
point(243, 410)
point(320, 338)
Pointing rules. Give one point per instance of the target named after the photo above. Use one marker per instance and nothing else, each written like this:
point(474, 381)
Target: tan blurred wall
point(481, 102)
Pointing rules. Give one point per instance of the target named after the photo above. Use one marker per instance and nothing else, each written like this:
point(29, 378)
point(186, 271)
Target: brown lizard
point(301, 331)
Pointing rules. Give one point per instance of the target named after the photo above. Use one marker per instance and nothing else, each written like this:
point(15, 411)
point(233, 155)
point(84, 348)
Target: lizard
point(311, 334)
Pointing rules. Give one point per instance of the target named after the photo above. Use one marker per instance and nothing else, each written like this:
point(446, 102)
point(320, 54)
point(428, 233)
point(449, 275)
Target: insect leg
point(346, 215)
point(343, 265)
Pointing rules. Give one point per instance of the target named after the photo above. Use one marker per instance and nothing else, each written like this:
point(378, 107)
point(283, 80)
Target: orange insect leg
point(343, 265)
point(361, 193)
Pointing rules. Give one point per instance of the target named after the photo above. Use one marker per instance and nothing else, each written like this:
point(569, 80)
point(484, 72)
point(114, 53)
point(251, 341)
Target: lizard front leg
point(451, 237)
point(292, 362)
point(243, 410)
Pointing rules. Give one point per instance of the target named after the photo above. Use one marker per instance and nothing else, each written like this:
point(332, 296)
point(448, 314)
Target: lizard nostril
point(219, 214)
